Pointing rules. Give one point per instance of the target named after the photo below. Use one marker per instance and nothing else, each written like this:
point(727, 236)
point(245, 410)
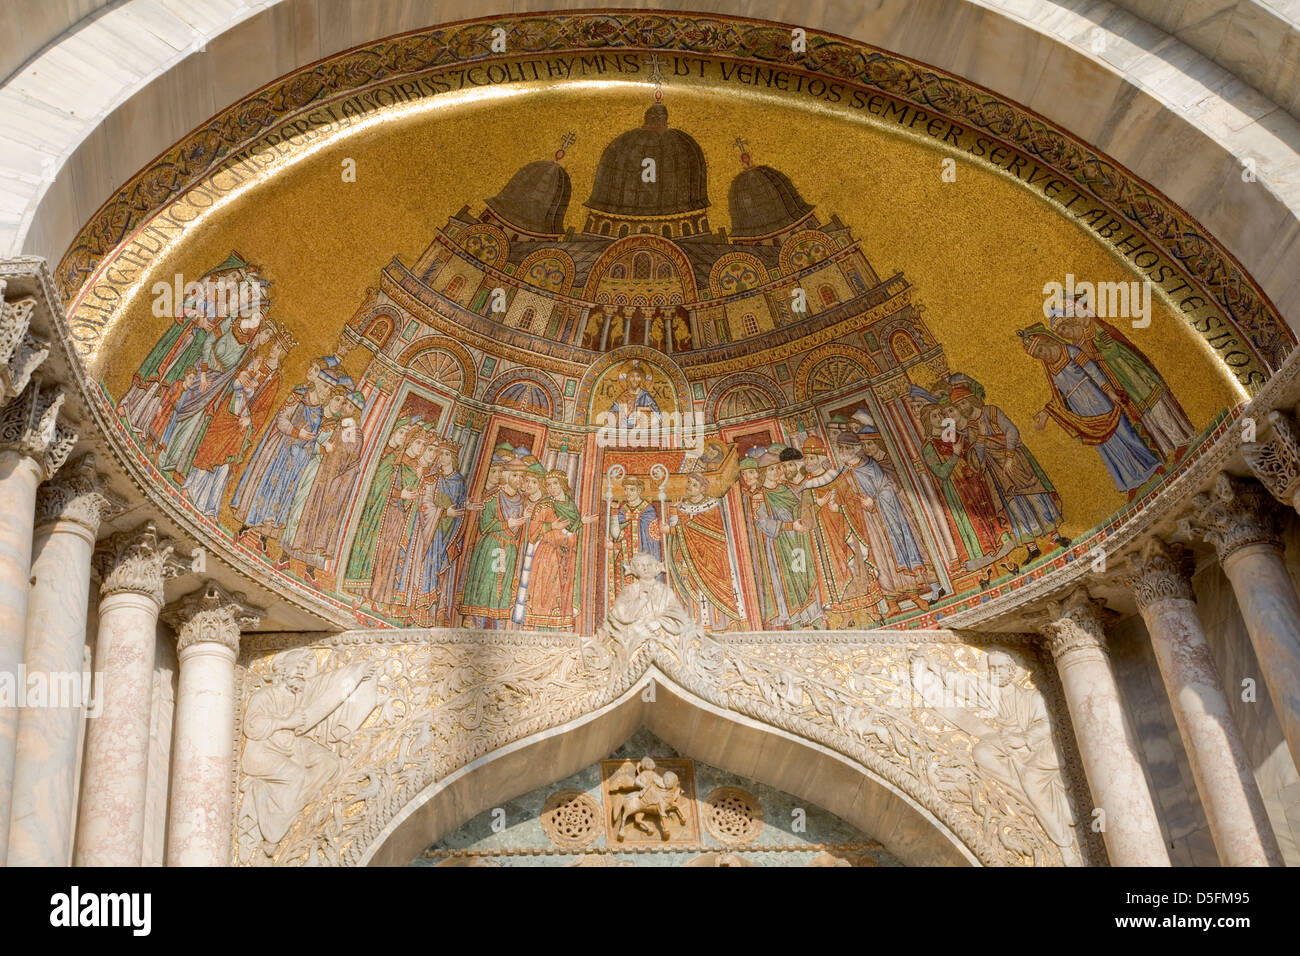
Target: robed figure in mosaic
point(488, 596)
point(634, 528)
point(549, 592)
point(787, 579)
point(1088, 408)
point(1148, 401)
point(388, 585)
point(321, 520)
point(436, 539)
point(701, 567)
point(361, 558)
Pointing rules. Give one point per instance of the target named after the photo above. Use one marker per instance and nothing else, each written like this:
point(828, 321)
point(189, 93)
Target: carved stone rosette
point(1275, 458)
point(1077, 626)
point(136, 562)
point(1237, 514)
point(75, 495)
point(1159, 572)
point(29, 425)
point(21, 353)
point(211, 615)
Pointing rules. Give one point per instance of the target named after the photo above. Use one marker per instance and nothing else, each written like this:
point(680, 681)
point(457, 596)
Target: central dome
point(681, 174)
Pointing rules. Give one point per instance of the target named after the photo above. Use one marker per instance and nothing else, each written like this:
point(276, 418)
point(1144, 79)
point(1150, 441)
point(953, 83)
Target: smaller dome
point(536, 198)
point(762, 201)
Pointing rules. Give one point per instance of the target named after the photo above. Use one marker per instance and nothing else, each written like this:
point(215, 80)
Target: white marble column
point(32, 447)
point(68, 512)
point(110, 817)
point(201, 805)
point(1240, 520)
point(1225, 782)
point(1109, 747)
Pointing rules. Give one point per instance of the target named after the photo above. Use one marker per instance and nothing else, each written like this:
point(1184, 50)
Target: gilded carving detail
point(984, 762)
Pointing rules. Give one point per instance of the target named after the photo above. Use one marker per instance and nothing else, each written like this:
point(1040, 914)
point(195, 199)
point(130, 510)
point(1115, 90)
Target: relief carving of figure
point(1014, 745)
point(645, 610)
point(295, 728)
point(639, 792)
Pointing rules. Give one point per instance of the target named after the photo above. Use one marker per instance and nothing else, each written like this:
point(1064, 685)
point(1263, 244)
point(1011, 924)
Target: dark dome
point(762, 201)
point(680, 171)
point(535, 199)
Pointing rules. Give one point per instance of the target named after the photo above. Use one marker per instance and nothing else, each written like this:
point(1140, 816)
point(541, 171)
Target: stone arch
point(691, 725)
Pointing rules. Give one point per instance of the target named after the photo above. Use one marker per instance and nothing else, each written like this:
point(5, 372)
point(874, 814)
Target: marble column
point(1224, 780)
point(32, 447)
point(1076, 637)
point(68, 512)
point(110, 818)
point(1240, 520)
point(201, 805)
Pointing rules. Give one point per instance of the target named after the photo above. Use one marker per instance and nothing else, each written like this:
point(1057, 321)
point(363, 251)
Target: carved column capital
point(29, 425)
point(1238, 513)
point(21, 353)
point(211, 615)
point(1076, 626)
point(136, 562)
point(76, 494)
point(1275, 456)
point(1159, 572)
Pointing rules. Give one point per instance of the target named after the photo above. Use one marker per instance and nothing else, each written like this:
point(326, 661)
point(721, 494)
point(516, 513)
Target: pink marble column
point(1107, 743)
point(201, 809)
point(110, 817)
point(32, 447)
point(1240, 520)
point(1225, 782)
point(68, 512)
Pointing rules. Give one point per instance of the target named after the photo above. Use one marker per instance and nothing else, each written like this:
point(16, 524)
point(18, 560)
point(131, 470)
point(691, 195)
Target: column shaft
point(1225, 782)
point(201, 809)
point(110, 819)
point(1107, 743)
point(19, 476)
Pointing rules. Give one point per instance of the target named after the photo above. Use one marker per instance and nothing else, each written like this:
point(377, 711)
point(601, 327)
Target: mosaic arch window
point(1031, 431)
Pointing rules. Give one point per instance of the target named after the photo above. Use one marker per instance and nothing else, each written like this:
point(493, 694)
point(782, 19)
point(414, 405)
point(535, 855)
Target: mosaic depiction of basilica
point(433, 471)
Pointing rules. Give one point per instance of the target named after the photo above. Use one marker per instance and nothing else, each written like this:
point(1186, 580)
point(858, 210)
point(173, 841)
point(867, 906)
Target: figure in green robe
point(361, 558)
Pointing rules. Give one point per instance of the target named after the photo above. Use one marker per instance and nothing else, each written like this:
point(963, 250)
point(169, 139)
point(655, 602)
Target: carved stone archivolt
point(964, 730)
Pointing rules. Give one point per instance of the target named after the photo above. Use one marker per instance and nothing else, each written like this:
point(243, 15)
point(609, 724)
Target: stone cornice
point(21, 352)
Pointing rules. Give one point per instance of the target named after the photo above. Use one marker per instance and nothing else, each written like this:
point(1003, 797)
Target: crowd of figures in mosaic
point(503, 425)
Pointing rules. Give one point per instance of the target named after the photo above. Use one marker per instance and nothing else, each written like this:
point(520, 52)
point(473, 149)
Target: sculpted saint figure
point(293, 727)
point(646, 609)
